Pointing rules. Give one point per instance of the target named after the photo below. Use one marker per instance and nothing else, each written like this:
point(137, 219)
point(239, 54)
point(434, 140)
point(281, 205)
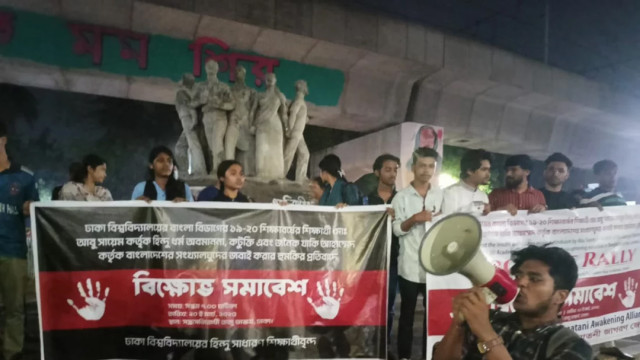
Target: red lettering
point(588, 259)
point(603, 260)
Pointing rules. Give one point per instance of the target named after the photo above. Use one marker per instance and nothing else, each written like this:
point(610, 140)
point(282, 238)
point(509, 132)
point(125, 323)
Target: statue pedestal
point(262, 191)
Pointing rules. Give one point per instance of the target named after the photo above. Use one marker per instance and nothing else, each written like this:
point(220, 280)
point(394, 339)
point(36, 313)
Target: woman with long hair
point(84, 181)
point(337, 192)
point(231, 179)
point(161, 183)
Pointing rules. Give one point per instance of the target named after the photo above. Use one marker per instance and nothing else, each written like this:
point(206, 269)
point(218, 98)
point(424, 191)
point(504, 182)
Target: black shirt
point(222, 197)
point(558, 200)
point(375, 199)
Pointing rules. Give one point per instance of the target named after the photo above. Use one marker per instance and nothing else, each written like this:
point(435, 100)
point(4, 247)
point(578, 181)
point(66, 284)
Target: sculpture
point(218, 101)
point(261, 130)
point(189, 142)
point(239, 143)
point(270, 124)
point(295, 140)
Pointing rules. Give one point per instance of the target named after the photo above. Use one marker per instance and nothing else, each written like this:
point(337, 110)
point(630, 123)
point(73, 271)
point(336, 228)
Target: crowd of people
point(416, 205)
point(411, 208)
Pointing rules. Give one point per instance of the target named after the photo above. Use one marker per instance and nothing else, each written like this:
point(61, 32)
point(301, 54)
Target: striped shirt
point(523, 201)
point(17, 186)
point(548, 342)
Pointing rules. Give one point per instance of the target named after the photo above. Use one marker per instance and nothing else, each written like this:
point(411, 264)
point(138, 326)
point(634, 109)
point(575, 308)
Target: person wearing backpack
point(545, 277)
point(338, 191)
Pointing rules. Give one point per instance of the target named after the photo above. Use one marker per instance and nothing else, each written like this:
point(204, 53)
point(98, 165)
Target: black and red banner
point(136, 281)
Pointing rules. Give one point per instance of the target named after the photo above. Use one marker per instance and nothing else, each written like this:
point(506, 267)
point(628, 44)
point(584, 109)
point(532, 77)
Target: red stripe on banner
point(592, 297)
point(212, 299)
point(439, 312)
point(602, 295)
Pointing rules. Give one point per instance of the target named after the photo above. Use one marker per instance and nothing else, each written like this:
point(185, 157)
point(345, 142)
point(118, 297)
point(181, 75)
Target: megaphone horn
point(453, 245)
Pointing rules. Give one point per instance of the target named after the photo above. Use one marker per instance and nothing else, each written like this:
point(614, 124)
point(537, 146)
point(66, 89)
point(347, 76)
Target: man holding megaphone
point(545, 277)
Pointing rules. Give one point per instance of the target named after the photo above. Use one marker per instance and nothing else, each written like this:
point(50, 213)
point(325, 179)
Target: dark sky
point(595, 38)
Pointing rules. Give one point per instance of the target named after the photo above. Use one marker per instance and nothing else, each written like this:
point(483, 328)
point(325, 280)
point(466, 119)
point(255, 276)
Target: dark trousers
point(409, 292)
point(393, 290)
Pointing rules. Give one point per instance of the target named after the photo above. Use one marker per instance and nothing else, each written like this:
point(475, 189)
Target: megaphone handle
point(489, 297)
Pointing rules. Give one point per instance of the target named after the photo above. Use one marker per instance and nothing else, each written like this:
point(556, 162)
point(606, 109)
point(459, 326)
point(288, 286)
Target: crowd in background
point(411, 208)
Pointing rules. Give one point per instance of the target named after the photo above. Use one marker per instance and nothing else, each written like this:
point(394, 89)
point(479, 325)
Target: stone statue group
point(259, 129)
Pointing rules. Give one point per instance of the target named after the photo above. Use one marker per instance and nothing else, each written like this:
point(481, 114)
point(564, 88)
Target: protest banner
point(605, 244)
point(218, 281)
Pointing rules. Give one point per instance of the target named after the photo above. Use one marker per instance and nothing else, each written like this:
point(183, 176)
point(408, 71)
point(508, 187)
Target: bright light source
point(445, 180)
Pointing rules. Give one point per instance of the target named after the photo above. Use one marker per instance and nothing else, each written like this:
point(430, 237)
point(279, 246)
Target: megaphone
point(453, 245)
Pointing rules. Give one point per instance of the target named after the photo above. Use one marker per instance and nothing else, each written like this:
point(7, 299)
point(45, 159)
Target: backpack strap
point(176, 189)
point(150, 190)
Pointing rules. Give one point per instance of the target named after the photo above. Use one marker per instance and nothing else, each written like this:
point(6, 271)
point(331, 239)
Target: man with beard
point(386, 170)
point(517, 194)
point(545, 277)
point(385, 167)
point(556, 173)
point(475, 170)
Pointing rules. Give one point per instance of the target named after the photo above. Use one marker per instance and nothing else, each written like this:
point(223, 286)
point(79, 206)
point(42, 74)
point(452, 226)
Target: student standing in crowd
point(545, 277)
point(337, 191)
point(231, 177)
point(556, 173)
point(517, 194)
point(475, 170)
point(414, 207)
point(385, 167)
point(161, 184)
point(605, 194)
point(17, 191)
point(83, 185)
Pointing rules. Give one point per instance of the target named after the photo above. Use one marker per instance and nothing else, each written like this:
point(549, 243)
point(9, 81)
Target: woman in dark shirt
point(231, 178)
point(161, 183)
point(337, 192)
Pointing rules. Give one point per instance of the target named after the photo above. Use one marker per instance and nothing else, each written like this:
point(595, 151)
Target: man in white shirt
point(414, 208)
point(475, 170)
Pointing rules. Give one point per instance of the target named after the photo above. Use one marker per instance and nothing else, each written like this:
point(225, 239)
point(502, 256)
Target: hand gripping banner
point(129, 280)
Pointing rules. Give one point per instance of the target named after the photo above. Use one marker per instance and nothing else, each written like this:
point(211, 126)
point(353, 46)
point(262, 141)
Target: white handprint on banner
point(94, 308)
point(330, 306)
point(630, 288)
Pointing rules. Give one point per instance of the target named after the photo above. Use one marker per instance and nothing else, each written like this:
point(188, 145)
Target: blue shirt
point(208, 194)
point(162, 196)
point(17, 186)
point(340, 193)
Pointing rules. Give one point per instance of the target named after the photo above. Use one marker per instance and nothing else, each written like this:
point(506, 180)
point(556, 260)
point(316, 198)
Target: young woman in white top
point(84, 183)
